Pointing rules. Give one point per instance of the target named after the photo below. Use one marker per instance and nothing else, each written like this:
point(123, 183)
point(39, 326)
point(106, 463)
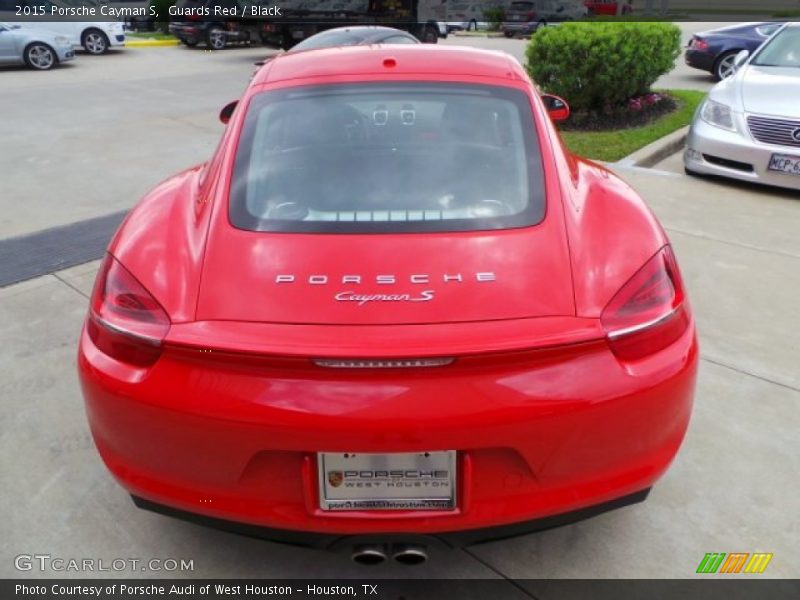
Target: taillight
point(650, 311)
point(699, 44)
point(531, 15)
point(125, 321)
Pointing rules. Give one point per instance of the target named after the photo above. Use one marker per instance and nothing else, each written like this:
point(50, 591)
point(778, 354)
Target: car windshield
point(387, 157)
point(781, 51)
point(325, 40)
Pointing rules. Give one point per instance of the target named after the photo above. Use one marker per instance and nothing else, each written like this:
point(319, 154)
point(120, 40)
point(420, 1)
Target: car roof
point(422, 59)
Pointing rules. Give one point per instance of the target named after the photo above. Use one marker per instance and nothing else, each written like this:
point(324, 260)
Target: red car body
point(607, 7)
point(570, 378)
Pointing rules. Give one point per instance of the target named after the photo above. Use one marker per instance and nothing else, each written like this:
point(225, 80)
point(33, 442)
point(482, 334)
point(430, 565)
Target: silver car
point(749, 126)
point(37, 48)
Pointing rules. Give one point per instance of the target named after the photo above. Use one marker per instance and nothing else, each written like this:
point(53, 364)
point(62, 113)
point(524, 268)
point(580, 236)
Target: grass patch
point(613, 145)
point(150, 35)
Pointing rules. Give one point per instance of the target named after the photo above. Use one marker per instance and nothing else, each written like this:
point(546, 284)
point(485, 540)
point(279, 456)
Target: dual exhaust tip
point(375, 554)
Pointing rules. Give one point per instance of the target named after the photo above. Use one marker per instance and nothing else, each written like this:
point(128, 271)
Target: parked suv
point(214, 32)
point(525, 17)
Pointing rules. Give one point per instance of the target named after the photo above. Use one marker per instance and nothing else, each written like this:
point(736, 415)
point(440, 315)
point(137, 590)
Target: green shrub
point(494, 16)
point(597, 66)
point(162, 8)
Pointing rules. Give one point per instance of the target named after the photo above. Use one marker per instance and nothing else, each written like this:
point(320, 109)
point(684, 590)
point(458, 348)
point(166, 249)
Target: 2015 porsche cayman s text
point(391, 305)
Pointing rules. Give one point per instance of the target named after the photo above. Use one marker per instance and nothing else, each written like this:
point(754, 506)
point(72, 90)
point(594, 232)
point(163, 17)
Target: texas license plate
point(784, 163)
point(398, 481)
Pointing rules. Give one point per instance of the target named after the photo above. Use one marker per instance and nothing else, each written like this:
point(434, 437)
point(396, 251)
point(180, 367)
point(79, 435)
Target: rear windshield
point(387, 157)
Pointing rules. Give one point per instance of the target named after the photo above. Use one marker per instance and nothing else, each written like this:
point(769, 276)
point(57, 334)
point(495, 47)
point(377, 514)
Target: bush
point(162, 8)
point(598, 66)
point(494, 16)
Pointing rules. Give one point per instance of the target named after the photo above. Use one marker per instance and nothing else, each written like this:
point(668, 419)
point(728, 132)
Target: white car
point(38, 49)
point(467, 16)
point(94, 37)
point(749, 126)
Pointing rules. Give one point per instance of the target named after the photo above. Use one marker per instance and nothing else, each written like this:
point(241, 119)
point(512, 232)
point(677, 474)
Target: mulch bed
point(619, 118)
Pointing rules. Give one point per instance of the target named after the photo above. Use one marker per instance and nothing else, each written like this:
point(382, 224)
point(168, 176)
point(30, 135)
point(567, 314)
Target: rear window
point(387, 158)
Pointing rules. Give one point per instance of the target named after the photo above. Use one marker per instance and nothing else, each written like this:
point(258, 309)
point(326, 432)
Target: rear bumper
point(538, 433)
point(458, 539)
point(700, 60)
point(520, 27)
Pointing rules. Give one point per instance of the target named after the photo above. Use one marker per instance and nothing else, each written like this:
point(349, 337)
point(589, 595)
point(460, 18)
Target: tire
point(40, 56)
point(190, 43)
point(508, 34)
point(540, 25)
point(215, 38)
point(723, 66)
point(430, 35)
point(95, 42)
point(472, 25)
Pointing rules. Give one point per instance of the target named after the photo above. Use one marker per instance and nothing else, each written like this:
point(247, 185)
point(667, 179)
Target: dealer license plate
point(785, 164)
point(399, 481)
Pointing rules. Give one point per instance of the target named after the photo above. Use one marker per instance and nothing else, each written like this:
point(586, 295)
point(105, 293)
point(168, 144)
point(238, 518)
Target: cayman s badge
point(796, 135)
point(363, 297)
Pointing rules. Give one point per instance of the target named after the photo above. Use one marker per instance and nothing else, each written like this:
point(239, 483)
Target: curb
point(657, 151)
point(140, 43)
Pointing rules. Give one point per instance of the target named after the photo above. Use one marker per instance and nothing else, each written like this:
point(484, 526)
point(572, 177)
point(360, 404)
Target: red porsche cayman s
point(391, 311)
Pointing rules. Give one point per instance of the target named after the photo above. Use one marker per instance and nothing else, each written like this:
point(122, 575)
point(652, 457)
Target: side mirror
point(227, 111)
point(741, 58)
point(556, 107)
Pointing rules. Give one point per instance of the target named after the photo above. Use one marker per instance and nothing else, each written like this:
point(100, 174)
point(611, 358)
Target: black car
point(715, 50)
point(196, 22)
point(360, 35)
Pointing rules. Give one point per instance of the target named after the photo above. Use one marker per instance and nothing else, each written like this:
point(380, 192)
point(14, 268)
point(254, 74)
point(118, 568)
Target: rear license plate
point(400, 481)
point(785, 164)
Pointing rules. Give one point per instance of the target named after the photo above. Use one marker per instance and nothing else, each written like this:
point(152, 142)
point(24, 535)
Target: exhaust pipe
point(409, 554)
point(369, 555)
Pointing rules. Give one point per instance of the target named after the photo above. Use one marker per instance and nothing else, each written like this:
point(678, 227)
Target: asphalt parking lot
point(88, 139)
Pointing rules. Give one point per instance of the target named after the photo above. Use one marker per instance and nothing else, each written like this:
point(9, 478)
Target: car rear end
point(386, 338)
point(521, 18)
point(701, 52)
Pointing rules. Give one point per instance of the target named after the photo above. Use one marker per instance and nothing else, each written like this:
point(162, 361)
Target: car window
point(387, 157)
point(783, 50)
point(326, 40)
point(768, 30)
point(522, 6)
point(399, 39)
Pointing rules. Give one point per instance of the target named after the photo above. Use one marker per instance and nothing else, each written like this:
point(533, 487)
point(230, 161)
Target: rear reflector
point(411, 363)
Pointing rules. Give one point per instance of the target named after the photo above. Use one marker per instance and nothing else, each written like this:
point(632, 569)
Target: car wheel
point(94, 42)
point(724, 67)
point(430, 35)
point(472, 25)
point(190, 43)
point(215, 38)
point(541, 25)
point(508, 34)
point(40, 56)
